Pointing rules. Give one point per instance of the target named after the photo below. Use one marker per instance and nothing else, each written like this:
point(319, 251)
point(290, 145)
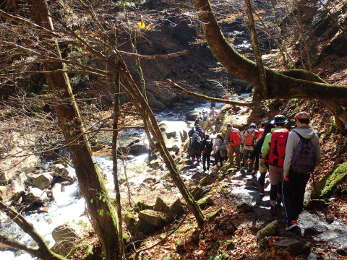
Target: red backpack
point(260, 133)
point(235, 137)
point(278, 147)
point(250, 138)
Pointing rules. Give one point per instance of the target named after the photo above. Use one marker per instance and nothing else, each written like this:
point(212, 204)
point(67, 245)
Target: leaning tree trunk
point(116, 112)
point(136, 94)
point(280, 84)
point(90, 178)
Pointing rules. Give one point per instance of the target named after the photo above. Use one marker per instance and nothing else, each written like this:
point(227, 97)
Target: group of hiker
point(288, 155)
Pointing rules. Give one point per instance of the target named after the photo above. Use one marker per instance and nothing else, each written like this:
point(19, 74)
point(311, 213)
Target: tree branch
point(43, 251)
point(198, 95)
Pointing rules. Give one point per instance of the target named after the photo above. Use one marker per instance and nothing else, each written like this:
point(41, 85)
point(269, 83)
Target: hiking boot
point(261, 190)
point(273, 211)
point(293, 228)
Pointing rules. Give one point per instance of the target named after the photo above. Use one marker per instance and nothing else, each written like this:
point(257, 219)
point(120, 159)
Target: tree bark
point(262, 89)
point(116, 113)
point(136, 94)
point(90, 178)
point(280, 84)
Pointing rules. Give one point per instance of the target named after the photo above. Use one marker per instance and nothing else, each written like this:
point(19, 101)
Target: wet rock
point(192, 116)
point(329, 218)
point(155, 164)
point(33, 200)
point(313, 256)
point(161, 206)
point(172, 134)
point(65, 238)
point(41, 180)
point(60, 169)
point(315, 230)
point(64, 232)
point(137, 149)
point(153, 218)
point(295, 246)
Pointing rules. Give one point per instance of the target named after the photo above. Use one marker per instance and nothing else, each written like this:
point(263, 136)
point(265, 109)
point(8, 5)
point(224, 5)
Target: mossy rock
point(161, 206)
point(154, 218)
point(214, 214)
point(131, 222)
point(205, 202)
point(141, 205)
point(244, 207)
point(143, 229)
point(207, 180)
point(269, 230)
point(177, 209)
point(198, 192)
point(329, 182)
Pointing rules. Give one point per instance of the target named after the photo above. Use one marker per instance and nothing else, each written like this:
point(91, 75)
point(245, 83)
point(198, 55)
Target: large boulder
point(295, 246)
point(177, 209)
point(329, 182)
point(161, 206)
point(60, 170)
point(41, 180)
point(138, 148)
point(65, 238)
point(153, 218)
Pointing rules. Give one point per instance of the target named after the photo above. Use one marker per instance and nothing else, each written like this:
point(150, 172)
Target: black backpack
point(208, 146)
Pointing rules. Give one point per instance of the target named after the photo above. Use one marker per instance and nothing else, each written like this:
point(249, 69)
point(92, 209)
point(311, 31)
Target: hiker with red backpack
point(273, 150)
point(233, 141)
point(248, 141)
point(302, 156)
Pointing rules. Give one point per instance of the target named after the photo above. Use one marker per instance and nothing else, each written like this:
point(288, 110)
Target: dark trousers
point(218, 158)
point(206, 160)
point(293, 194)
point(261, 179)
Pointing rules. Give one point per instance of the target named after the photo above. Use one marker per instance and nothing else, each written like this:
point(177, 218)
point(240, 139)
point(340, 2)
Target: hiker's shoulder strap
point(301, 137)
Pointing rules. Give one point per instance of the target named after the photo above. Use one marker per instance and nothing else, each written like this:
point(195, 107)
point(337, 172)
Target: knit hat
point(302, 115)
